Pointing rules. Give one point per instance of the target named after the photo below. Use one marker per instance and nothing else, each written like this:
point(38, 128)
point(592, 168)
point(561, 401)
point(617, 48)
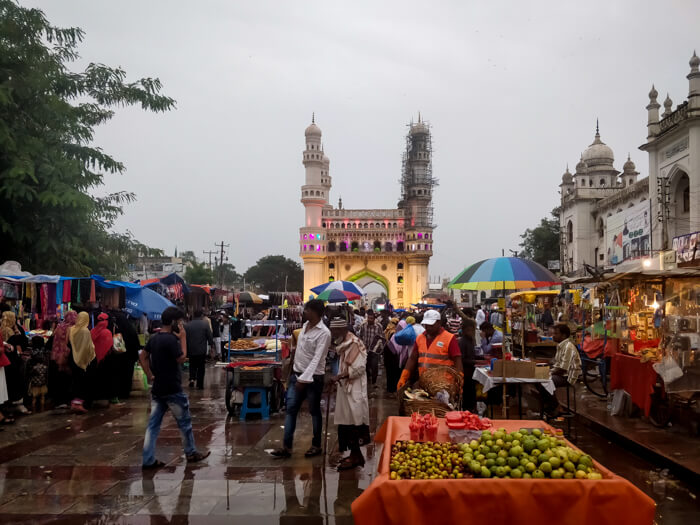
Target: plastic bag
point(406, 337)
point(668, 369)
point(620, 401)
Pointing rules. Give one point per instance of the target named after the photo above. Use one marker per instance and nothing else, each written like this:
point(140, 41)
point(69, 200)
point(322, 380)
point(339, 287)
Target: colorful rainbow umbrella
point(337, 296)
point(509, 273)
point(342, 286)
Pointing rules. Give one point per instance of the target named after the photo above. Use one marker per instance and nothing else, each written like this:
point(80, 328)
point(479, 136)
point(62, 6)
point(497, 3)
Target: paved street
point(57, 467)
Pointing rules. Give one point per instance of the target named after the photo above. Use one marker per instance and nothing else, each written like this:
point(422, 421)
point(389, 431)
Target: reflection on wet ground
point(57, 467)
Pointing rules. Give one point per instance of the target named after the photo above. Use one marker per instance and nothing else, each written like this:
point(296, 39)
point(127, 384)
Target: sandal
point(7, 420)
point(351, 463)
point(281, 453)
point(313, 451)
point(156, 464)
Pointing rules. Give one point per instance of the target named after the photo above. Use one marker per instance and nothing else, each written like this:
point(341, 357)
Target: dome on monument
point(581, 166)
point(313, 131)
point(598, 153)
point(567, 178)
point(419, 128)
point(629, 166)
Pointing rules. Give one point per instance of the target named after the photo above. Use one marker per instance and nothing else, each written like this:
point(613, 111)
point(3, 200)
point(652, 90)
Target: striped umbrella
point(337, 296)
point(509, 273)
point(249, 298)
point(341, 286)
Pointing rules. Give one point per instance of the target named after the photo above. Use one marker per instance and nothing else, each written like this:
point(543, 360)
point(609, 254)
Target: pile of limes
point(428, 460)
point(525, 454)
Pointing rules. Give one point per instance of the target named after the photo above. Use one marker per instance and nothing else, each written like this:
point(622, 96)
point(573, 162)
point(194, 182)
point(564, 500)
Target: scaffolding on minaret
point(417, 181)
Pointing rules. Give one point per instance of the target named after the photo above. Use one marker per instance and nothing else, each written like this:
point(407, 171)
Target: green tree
point(227, 275)
point(51, 218)
point(188, 257)
point(270, 272)
point(198, 273)
point(541, 244)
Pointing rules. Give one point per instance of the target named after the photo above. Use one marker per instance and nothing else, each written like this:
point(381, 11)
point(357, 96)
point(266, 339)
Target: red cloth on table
point(512, 501)
point(634, 377)
point(641, 345)
point(594, 347)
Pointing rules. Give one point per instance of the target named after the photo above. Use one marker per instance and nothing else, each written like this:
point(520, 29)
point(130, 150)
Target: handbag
point(118, 343)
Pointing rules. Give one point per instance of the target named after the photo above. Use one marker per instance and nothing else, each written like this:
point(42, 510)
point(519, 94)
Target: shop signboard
point(627, 234)
point(687, 249)
point(554, 265)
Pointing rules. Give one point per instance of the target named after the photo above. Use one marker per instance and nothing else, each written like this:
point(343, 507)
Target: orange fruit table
point(496, 500)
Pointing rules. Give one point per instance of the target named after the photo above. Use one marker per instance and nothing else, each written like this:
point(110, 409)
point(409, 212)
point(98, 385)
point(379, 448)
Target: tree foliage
point(541, 244)
point(51, 219)
point(227, 275)
point(269, 274)
point(199, 273)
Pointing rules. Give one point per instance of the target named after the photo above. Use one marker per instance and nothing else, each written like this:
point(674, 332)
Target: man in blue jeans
point(306, 379)
point(161, 361)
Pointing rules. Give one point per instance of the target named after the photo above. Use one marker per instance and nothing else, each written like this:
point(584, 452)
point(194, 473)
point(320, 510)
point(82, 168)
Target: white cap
point(431, 316)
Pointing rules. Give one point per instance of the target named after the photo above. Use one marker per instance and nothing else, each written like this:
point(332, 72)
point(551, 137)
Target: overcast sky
point(512, 91)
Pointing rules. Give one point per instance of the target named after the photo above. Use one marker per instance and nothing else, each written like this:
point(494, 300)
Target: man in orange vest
point(435, 347)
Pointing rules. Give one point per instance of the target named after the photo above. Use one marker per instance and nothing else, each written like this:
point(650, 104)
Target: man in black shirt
point(161, 360)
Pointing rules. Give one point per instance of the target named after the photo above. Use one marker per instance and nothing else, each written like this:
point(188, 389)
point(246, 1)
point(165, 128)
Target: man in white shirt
point(306, 379)
point(480, 316)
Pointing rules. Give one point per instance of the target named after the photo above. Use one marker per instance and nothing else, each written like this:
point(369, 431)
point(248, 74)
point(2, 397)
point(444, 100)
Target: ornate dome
point(653, 93)
point(694, 61)
point(581, 166)
point(598, 153)
point(313, 131)
point(419, 128)
point(567, 178)
point(629, 166)
point(326, 160)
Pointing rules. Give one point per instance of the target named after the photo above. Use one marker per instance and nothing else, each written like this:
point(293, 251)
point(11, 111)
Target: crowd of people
point(351, 344)
point(88, 357)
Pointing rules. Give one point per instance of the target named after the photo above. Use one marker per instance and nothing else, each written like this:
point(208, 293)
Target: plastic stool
point(264, 408)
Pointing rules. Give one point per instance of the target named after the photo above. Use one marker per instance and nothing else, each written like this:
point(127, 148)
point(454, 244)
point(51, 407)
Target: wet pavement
point(57, 467)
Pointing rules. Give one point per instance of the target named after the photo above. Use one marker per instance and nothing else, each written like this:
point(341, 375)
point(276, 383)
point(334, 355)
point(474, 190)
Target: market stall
point(529, 323)
point(495, 500)
point(653, 319)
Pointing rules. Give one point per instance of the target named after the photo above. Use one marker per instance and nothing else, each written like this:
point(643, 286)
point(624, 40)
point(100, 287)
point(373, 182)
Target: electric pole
point(209, 253)
point(221, 246)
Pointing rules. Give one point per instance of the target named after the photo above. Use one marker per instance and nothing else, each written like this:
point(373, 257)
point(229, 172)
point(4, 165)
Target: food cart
point(495, 498)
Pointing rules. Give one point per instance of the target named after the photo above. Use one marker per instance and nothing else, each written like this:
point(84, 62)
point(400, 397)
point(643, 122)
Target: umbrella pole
point(504, 412)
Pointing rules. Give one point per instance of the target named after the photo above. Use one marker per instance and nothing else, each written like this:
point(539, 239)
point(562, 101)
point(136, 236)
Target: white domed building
point(609, 217)
point(589, 197)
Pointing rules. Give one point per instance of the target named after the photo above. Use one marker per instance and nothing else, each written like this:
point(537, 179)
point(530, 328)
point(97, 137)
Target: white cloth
point(488, 382)
point(310, 355)
point(4, 396)
point(480, 317)
point(351, 405)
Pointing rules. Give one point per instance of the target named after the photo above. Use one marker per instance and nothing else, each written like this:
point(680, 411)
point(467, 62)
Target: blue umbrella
point(141, 301)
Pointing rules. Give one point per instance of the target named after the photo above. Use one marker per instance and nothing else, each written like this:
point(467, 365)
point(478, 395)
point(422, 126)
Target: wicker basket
point(438, 378)
point(432, 381)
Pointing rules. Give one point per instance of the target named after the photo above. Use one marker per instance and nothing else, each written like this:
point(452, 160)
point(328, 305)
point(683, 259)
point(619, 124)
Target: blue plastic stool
point(264, 408)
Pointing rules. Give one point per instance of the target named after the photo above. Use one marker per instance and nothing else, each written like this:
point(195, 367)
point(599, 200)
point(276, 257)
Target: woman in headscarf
point(83, 352)
point(60, 364)
point(351, 406)
point(126, 360)
point(14, 335)
point(107, 369)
